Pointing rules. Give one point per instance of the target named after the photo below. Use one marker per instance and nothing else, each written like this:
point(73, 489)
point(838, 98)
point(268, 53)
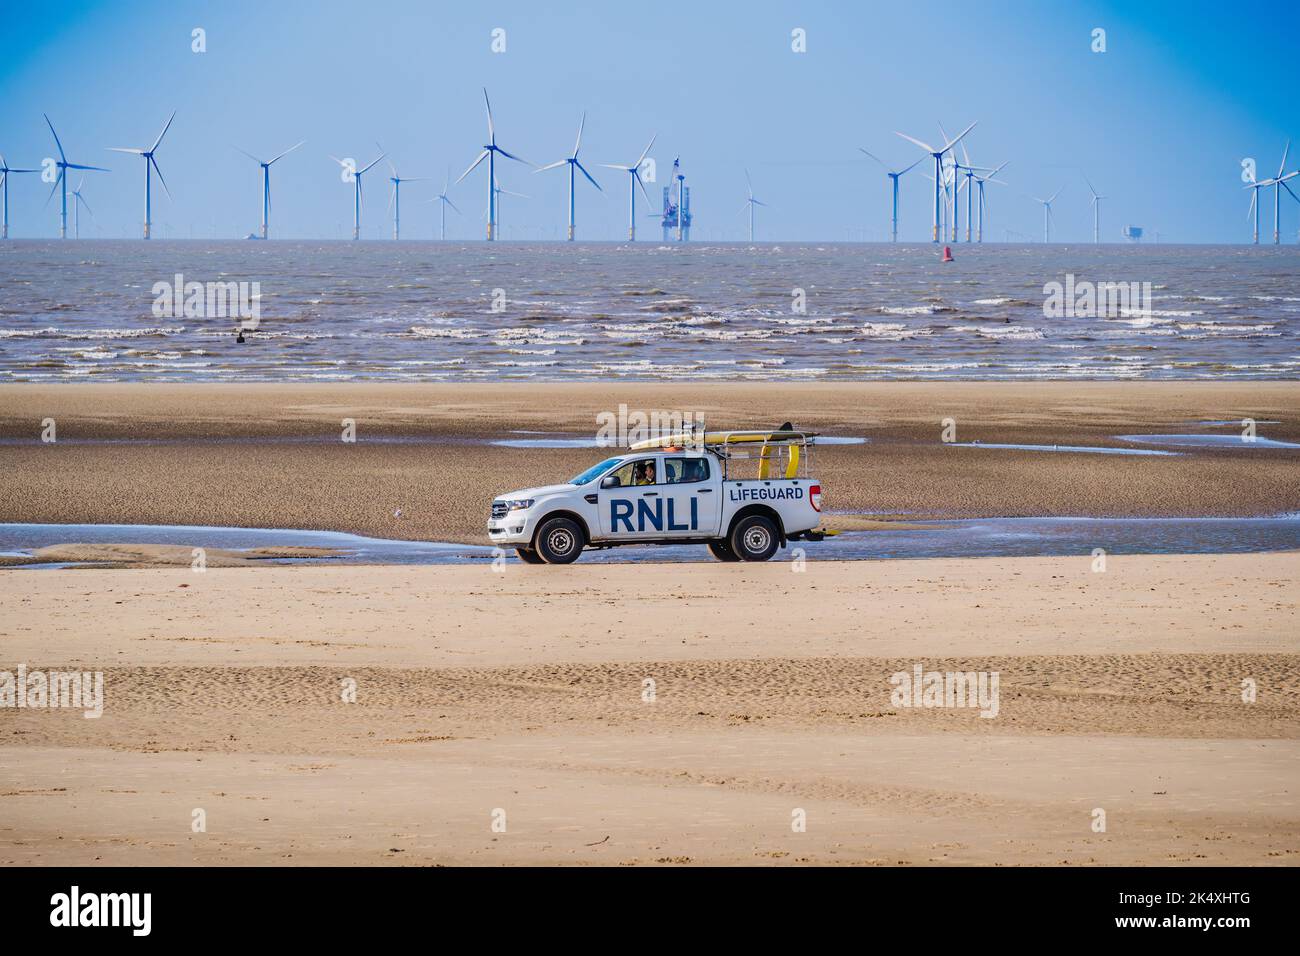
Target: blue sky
point(1160, 122)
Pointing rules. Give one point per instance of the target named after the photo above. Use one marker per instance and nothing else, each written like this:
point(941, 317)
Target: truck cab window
point(685, 470)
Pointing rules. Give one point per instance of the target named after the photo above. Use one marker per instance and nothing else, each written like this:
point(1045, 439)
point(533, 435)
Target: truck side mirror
point(611, 481)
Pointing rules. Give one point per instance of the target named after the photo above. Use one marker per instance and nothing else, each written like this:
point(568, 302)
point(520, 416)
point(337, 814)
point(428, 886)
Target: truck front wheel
point(754, 538)
point(529, 556)
point(722, 551)
point(559, 541)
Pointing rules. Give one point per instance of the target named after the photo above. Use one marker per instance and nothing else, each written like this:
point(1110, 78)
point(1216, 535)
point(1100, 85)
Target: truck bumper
point(512, 530)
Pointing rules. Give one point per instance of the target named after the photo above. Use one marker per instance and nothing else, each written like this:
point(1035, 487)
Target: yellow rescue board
point(718, 438)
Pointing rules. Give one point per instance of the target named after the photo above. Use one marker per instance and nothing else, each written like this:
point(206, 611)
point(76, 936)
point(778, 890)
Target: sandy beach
point(524, 693)
point(271, 455)
point(647, 714)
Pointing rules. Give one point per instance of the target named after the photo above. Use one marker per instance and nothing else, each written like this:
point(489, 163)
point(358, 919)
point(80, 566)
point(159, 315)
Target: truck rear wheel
point(722, 551)
point(559, 541)
point(529, 556)
point(754, 538)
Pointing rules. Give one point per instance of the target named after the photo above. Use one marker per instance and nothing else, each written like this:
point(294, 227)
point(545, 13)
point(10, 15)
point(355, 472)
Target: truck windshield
point(595, 471)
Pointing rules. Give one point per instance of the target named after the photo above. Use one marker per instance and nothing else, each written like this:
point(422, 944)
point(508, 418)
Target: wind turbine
point(355, 175)
point(150, 166)
point(894, 177)
point(498, 192)
point(395, 200)
point(635, 173)
point(1096, 212)
point(750, 203)
point(442, 198)
point(78, 201)
point(1047, 214)
point(5, 170)
point(574, 165)
point(266, 182)
point(980, 181)
point(1278, 183)
point(64, 166)
point(939, 174)
point(489, 153)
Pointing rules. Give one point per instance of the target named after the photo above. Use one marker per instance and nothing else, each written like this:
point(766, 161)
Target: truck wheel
point(722, 551)
point(559, 541)
point(754, 538)
point(529, 556)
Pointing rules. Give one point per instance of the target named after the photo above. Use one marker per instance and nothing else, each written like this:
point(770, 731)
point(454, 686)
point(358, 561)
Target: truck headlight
point(520, 504)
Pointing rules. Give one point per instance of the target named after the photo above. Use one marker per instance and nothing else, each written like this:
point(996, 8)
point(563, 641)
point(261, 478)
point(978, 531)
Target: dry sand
point(523, 692)
point(270, 455)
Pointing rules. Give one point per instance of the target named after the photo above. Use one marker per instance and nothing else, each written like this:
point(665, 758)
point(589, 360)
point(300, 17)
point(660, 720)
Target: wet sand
point(271, 455)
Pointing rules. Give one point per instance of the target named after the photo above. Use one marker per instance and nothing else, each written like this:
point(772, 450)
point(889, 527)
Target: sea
point(459, 311)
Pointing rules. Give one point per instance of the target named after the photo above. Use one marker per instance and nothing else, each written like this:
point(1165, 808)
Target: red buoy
point(947, 254)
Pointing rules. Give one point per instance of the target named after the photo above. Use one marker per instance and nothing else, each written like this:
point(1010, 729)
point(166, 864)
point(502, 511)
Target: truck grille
point(499, 509)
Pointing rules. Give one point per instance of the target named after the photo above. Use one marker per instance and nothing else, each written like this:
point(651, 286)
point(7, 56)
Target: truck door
point(694, 497)
point(631, 501)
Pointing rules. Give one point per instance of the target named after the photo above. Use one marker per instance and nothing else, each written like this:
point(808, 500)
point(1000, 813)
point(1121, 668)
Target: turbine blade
point(124, 149)
point(1288, 189)
point(925, 146)
point(56, 137)
point(54, 187)
point(287, 151)
point(1090, 189)
point(1253, 197)
point(637, 176)
point(98, 169)
point(481, 156)
point(250, 155)
point(578, 143)
point(913, 166)
point(164, 132)
point(558, 162)
point(952, 143)
point(492, 130)
point(620, 168)
point(584, 172)
point(451, 204)
point(1055, 194)
point(517, 159)
point(368, 168)
point(1281, 169)
point(877, 159)
point(160, 177)
point(646, 151)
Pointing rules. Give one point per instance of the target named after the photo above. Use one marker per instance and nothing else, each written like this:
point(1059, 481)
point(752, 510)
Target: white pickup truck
point(659, 492)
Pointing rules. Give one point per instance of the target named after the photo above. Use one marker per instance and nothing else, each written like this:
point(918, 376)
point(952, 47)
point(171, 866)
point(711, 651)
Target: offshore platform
point(677, 215)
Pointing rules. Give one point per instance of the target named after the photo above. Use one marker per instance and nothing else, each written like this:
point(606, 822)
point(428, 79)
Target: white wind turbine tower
point(62, 180)
point(444, 202)
point(150, 166)
point(355, 176)
point(395, 199)
point(939, 174)
point(1096, 212)
point(5, 170)
point(497, 193)
point(750, 203)
point(634, 181)
point(1047, 213)
point(490, 150)
point(266, 182)
point(78, 201)
point(893, 177)
point(980, 181)
point(574, 166)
